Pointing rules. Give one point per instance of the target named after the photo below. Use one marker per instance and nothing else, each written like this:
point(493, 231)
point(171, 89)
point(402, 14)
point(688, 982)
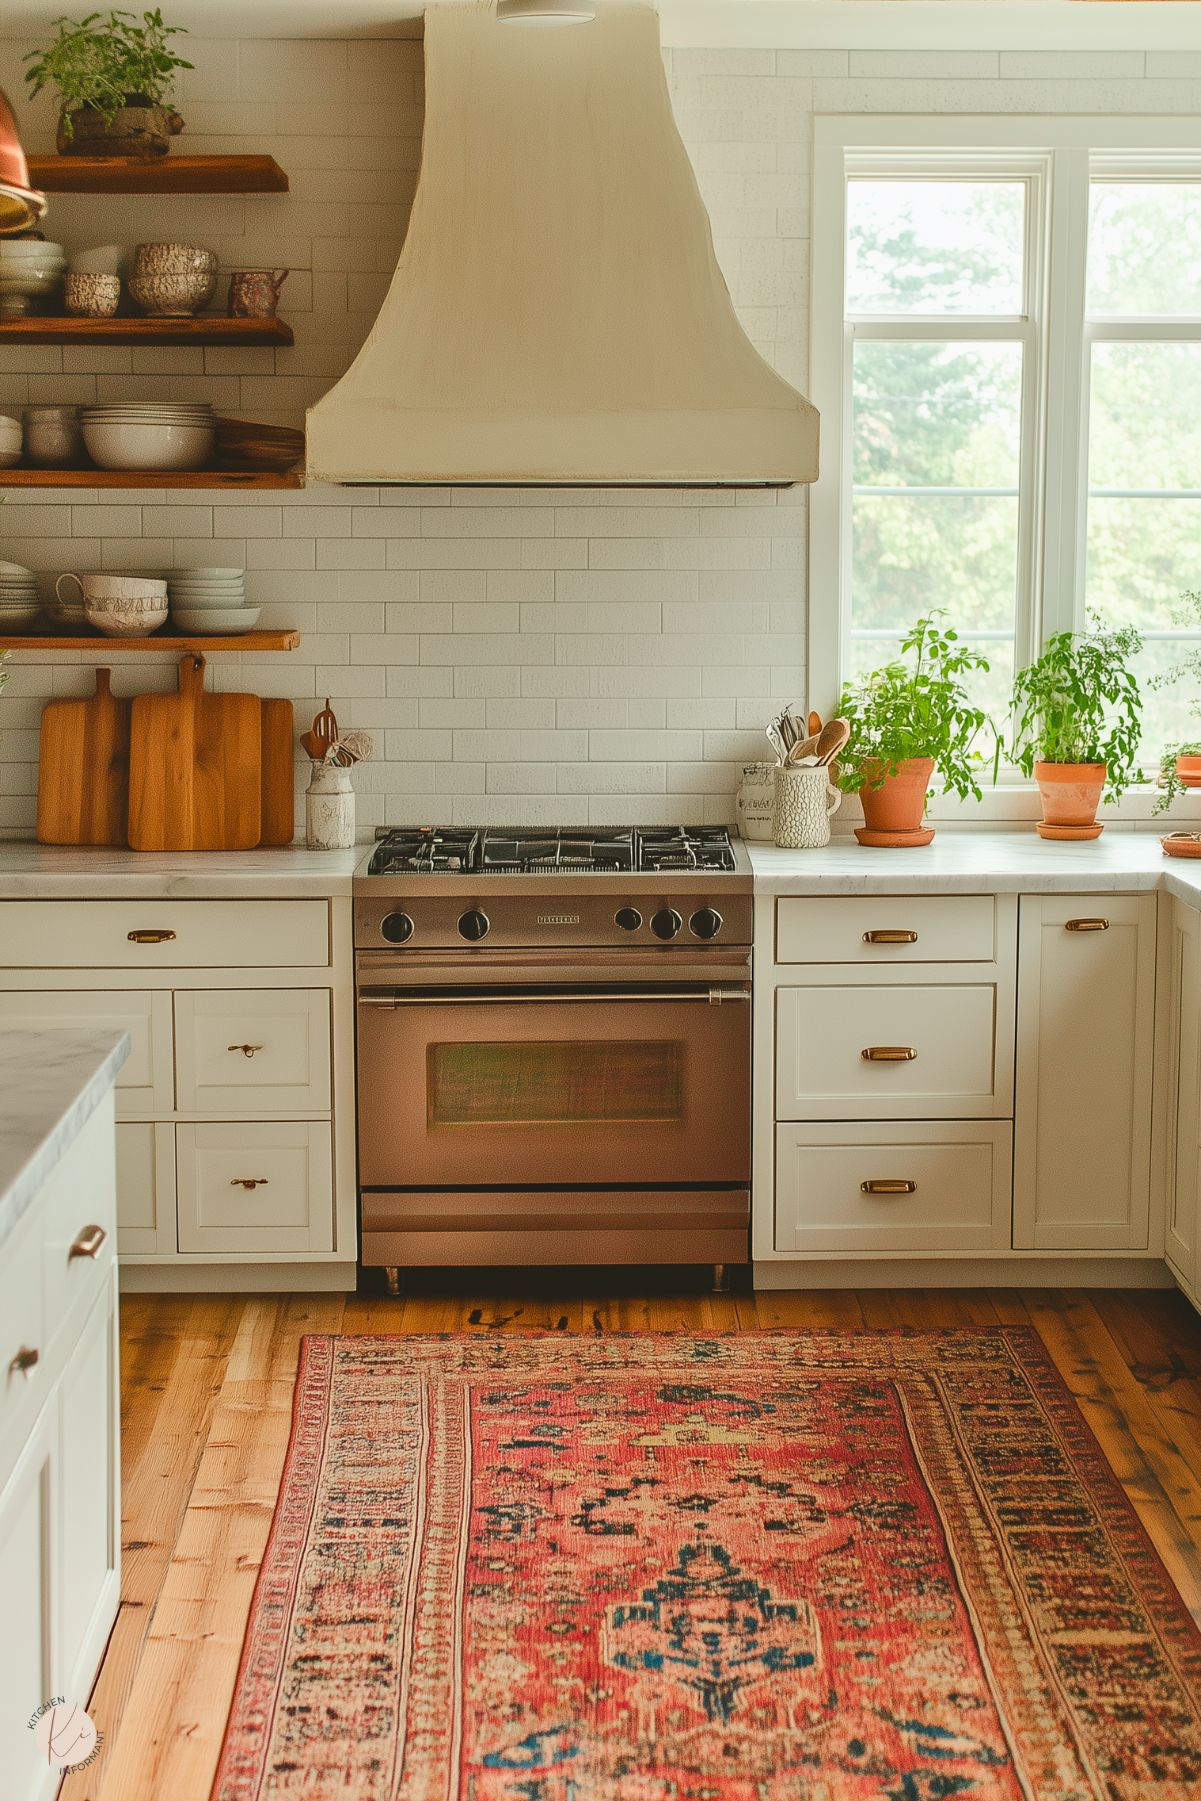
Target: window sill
point(1016, 804)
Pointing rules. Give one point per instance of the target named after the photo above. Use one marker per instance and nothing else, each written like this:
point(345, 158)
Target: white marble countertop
point(65, 872)
point(50, 1085)
point(971, 862)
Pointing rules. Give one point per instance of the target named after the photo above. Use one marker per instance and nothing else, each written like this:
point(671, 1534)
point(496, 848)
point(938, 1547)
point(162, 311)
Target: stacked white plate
point(211, 601)
point(19, 603)
point(149, 434)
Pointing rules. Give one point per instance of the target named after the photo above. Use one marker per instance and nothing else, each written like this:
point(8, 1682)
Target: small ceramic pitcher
point(254, 293)
point(329, 809)
point(805, 801)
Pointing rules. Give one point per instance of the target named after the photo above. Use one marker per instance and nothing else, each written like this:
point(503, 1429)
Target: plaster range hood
point(558, 316)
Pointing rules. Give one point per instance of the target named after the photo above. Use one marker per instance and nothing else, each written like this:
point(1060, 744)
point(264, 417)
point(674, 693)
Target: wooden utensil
point(83, 768)
point(325, 728)
point(195, 768)
point(834, 736)
point(815, 724)
point(278, 776)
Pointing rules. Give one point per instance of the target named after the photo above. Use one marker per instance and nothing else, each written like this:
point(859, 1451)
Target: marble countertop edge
point(51, 1083)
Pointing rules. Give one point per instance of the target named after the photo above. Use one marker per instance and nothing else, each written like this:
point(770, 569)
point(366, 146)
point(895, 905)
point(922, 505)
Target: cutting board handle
point(191, 674)
point(104, 682)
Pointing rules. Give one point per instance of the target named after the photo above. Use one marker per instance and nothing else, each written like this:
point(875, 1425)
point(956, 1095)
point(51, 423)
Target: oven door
point(516, 1075)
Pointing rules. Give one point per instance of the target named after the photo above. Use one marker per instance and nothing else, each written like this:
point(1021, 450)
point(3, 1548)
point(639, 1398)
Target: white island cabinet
point(59, 1392)
point(233, 976)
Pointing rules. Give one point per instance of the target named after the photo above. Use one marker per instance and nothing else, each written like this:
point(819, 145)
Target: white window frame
point(1057, 158)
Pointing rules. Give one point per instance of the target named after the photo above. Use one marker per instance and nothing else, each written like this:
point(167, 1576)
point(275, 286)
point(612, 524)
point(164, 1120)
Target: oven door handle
point(398, 997)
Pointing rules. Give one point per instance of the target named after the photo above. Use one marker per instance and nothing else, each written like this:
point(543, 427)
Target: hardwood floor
point(207, 1389)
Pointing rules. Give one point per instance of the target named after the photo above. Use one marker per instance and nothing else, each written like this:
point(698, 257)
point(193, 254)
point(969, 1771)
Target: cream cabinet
point(1181, 1063)
point(59, 1444)
point(1086, 1030)
point(236, 1128)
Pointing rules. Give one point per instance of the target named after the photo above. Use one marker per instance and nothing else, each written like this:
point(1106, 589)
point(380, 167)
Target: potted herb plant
point(114, 73)
point(1179, 770)
point(1077, 723)
point(908, 721)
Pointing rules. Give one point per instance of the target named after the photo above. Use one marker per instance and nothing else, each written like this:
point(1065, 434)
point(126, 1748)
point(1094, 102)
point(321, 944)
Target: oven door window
point(593, 1082)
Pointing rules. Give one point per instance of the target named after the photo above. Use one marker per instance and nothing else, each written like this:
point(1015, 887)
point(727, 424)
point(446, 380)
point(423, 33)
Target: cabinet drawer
point(933, 1052)
point(144, 1082)
point(261, 1050)
point(167, 934)
point(885, 930)
point(919, 1188)
point(145, 1189)
point(255, 1187)
point(79, 1210)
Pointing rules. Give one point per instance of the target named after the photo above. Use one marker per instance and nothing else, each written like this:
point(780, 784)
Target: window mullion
point(1065, 480)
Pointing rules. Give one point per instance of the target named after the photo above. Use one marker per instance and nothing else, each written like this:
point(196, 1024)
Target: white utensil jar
point(805, 801)
point(329, 809)
point(756, 802)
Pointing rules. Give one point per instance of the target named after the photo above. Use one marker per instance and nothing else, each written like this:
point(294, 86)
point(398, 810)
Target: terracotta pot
point(1071, 794)
point(894, 811)
point(137, 130)
point(1188, 769)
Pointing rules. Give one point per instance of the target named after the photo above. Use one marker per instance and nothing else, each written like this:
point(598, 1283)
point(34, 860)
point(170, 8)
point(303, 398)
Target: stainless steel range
point(554, 1038)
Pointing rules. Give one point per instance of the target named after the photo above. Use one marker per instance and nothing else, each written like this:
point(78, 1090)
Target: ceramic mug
point(120, 606)
point(254, 293)
point(805, 801)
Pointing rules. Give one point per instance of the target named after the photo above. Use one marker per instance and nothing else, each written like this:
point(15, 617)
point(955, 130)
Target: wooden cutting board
point(279, 774)
point(195, 770)
point(83, 768)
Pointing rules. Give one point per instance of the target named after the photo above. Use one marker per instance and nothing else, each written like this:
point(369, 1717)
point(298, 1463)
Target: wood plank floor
point(207, 1388)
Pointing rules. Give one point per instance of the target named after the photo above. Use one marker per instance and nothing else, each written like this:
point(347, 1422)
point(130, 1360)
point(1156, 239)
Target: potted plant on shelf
point(1077, 723)
point(1179, 770)
point(113, 73)
point(908, 721)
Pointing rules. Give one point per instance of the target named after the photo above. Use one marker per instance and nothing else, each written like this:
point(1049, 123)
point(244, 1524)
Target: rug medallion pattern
point(811, 1566)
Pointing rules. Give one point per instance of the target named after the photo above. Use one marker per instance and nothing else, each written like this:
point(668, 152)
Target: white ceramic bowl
point(102, 259)
point(20, 286)
point(189, 574)
point(118, 444)
point(19, 619)
point(127, 618)
point(217, 621)
point(15, 569)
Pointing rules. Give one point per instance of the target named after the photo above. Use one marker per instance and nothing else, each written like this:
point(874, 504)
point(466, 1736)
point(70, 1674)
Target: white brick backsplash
point(545, 656)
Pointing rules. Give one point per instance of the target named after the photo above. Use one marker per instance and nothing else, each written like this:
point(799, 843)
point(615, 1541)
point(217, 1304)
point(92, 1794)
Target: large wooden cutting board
point(195, 767)
point(279, 773)
point(83, 768)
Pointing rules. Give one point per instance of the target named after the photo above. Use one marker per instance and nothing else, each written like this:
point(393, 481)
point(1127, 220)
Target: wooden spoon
point(833, 738)
point(815, 724)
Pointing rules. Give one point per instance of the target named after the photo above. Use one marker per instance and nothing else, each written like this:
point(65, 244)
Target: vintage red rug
point(811, 1566)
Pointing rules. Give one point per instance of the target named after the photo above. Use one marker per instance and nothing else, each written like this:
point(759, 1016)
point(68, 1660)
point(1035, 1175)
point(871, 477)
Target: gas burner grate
point(703, 848)
point(572, 851)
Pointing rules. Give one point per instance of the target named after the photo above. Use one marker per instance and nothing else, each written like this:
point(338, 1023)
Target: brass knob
point(1087, 925)
point(247, 1050)
point(890, 937)
point(89, 1243)
point(888, 1053)
point(248, 1182)
point(150, 937)
point(890, 1186)
point(24, 1363)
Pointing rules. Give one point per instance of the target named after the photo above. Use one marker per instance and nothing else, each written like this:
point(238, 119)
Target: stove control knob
point(628, 918)
point(666, 923)
point(397, 928)
point(474, 925)
point(707, 923)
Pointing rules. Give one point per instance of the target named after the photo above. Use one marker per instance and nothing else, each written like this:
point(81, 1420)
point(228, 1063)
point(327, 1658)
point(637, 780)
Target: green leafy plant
point(1080, 703)
point(917, 706)
point(1186, 612)
point(1170, 785)
point(107, 61)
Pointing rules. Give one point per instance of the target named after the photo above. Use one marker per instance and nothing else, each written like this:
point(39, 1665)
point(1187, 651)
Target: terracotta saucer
point(894, 840)
point(1181, 845)
point(1190, 781)
point(1069, 834)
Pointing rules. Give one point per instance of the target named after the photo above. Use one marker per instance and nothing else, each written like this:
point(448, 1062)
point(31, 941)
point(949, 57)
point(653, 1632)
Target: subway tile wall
point(547, 656)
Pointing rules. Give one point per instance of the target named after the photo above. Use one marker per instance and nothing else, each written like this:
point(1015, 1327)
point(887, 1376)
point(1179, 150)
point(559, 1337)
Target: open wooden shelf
point(168, 174)
point(165, 640)
point(151, 478)
point(202, 328)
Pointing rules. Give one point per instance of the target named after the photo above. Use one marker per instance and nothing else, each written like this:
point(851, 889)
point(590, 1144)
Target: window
point(1007, 359)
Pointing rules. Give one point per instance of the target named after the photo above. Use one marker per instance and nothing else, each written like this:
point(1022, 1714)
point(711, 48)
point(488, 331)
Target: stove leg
point(392, 1274)
point(721, 1282)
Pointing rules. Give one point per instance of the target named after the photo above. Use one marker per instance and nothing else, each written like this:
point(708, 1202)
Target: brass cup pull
point(248, 1182)
point(24, 1363)
point(892, 1186)
point(888, 1053)
point(89, 1243)
point(1087, 925)
point(247, 1050)
point(150, 937)
point(890, 937)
